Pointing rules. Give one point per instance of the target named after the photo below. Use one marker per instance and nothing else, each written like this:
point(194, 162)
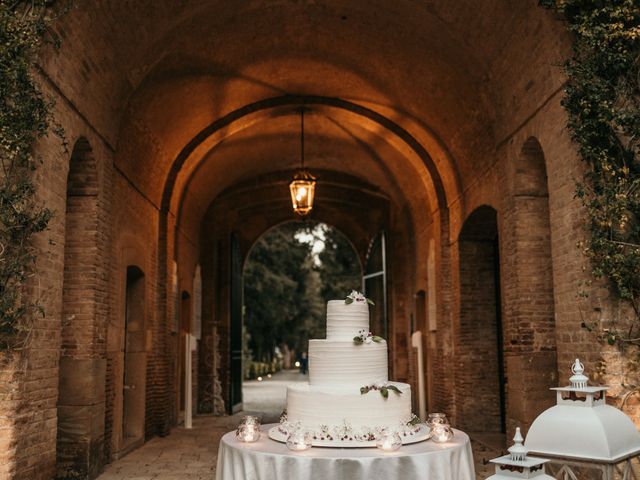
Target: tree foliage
point(339, 267)
point(602, 99)
point(286, 286)
point(25, 116)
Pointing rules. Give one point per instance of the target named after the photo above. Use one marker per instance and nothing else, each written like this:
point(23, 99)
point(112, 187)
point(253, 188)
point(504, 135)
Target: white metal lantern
point(582, 430)
point(517, 464)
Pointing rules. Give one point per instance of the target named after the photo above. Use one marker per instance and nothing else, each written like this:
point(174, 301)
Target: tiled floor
point(192, 454)
point(184, 454)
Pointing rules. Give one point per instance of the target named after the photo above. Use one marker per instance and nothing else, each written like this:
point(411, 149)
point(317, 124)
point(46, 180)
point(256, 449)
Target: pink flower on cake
point(357, 297)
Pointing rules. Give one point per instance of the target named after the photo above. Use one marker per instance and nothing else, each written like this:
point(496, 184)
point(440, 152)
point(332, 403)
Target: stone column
point(81, 407)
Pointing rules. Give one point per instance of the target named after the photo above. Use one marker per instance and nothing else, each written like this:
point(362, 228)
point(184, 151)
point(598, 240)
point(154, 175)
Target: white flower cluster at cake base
point(347, 433)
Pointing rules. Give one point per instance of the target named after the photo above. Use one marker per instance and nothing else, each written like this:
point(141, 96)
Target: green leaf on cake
point(348, 301)
point(394, 388)
point(377, 339)
point(384, 389)
point(370, 302)
point(415, 420)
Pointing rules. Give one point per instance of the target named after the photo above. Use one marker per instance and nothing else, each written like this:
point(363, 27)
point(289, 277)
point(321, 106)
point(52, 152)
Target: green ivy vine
point(25, 117)
point(602, 99)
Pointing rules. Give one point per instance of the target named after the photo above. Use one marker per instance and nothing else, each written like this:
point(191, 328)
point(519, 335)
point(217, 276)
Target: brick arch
point(396, 130)
point(531, 172)
point(481, 224)
point(479, 382)
point(237, 115)
point(247, 211)
point(82, 179)
point(82, 373)
point(529, 303)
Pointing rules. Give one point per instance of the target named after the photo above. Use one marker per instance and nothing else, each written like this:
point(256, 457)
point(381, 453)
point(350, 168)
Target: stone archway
point(235, 221)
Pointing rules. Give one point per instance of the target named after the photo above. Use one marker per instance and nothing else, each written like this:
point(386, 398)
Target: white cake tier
point(319, 407)
point(345, 363)
point(344, 321)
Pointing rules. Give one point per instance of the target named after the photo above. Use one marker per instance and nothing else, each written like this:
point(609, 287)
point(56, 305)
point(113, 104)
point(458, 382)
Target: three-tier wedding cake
point(348, 399)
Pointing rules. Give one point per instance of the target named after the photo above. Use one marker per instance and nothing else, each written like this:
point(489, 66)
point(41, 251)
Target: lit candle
point(441, 433)
point(249, 429)
point(389, 441)
point(248, 433)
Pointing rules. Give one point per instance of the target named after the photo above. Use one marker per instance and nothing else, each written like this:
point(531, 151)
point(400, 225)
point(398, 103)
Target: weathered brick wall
point(81, 401)
point(28, 406)
point(561, 276)
point(206, 345)
point(443, 398)
point(400, 278)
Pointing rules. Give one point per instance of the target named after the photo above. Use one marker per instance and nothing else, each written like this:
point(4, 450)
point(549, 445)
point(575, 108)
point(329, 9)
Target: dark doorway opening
point(480, 375)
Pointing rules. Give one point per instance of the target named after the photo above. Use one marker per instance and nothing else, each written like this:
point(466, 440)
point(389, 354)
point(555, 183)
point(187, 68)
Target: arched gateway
point(431, 141)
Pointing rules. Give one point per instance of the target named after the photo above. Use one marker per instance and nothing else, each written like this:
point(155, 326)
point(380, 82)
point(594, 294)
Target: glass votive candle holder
point(389, 441)
point(248, 433)
point(441, 431)
point(250, 420)
point(437, 418)
point(299, 440)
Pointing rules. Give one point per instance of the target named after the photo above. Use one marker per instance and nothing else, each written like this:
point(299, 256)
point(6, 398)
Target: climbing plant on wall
point(25, 116)
point(602, 99)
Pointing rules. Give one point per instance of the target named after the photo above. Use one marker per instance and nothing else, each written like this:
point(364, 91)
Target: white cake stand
point(424, 433)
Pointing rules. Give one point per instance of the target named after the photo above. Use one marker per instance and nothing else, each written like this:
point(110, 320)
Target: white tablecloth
point(267, 459)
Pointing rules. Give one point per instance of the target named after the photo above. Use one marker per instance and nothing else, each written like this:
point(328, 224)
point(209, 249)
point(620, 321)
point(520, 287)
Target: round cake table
point(267, 459)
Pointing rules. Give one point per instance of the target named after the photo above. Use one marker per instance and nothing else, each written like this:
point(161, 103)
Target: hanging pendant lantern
point(302, 190)
point(303, 185)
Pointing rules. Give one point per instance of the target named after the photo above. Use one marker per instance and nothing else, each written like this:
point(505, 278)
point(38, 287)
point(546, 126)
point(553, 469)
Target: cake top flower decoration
point(366, 337)
point(357, 297)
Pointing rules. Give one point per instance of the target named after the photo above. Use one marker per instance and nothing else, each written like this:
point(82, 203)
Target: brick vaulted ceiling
point(458, 77)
